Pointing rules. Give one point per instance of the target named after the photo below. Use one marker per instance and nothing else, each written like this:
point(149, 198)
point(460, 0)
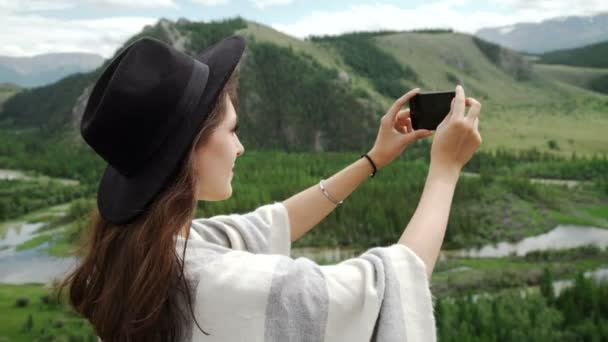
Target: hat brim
point(122, 199)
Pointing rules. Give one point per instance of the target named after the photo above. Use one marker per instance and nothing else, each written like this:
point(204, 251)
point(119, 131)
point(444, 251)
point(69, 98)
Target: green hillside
point(48, 107)
point(595, 79)
point(328, 93)
point(585, 67)
point(6, 91)
point(593, 55)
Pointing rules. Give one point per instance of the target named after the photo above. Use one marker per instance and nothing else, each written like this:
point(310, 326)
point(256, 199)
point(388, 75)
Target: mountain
point(45, 69)
point(328, 93)
point(549, 35)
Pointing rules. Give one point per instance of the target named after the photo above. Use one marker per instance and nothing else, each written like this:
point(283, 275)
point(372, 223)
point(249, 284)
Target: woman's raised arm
point(308, 207)
point(455, 141)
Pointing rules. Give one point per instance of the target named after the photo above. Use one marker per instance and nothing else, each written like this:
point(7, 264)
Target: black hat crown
point(143, 94)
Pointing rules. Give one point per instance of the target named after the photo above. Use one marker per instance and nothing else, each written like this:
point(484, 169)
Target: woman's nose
point(241, 148)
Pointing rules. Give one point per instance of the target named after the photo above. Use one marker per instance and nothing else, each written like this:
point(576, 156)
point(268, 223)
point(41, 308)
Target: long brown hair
point(130, 284)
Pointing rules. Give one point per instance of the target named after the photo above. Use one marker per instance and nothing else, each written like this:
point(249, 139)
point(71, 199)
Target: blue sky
point(32, 27)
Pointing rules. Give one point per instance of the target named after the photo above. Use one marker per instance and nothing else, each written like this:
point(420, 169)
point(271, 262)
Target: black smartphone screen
point(427, 110)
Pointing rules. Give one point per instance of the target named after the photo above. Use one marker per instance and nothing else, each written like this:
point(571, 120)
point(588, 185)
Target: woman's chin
point(227, 194)
point(218, 197)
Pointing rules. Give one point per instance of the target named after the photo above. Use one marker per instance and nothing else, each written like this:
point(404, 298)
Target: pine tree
point(546, 286)
point(29, 324)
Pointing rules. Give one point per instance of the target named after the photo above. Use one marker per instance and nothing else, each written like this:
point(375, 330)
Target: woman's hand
point(395, 132)
point(457, 136)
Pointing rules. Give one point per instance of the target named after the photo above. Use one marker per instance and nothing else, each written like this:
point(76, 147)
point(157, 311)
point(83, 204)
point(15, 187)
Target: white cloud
point(24, 6)
point(440, 14)
point(33, 34)
point(556, 8)
point(375, 17)
point(8, 6)
point(25, 32)
point(133, 3)
point(211, 2)
point(269, 3)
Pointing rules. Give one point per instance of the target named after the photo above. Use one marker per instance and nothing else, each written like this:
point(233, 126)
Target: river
point(16, 174)
point(561, 237)
point(34, 265)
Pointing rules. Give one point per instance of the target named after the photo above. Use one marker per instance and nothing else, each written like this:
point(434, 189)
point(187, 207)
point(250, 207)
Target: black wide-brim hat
point(144, 113)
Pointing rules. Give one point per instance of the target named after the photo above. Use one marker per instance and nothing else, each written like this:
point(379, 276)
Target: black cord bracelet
point(372, 162)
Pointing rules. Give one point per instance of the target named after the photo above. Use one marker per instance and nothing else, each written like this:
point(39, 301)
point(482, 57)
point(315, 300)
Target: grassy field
point(556, 130)
point(49, 321)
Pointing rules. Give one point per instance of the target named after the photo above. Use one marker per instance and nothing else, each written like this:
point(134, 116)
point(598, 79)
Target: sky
point(31, 27)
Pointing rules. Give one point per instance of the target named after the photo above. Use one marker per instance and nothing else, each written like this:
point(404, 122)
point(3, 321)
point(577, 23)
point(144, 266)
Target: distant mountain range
point(45, 69)
point(549, 35)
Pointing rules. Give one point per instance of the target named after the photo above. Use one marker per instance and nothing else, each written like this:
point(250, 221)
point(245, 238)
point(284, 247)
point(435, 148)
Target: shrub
point(22, 302)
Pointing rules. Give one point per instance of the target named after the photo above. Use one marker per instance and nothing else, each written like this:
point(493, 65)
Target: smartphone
point(427, 110)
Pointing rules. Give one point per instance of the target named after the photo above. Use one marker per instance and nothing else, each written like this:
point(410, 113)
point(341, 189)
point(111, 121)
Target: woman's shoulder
point(263, 230)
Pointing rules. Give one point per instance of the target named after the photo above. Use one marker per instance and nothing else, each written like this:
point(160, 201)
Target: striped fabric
point(247, 288)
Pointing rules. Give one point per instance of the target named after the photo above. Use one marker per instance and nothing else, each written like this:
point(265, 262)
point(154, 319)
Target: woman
point(166, 125)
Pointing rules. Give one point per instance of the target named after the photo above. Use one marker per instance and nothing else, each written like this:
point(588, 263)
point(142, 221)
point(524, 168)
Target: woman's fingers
point(408, 125)
point(458, 104)
point(474, 111)
point(392, 112)
point(402, 115)
point(401, 120)
point(417, 135)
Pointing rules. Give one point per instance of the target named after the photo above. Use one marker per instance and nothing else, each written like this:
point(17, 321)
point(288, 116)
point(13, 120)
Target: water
point(16, 174)
point(34, 265)
point(11, 174)
point(562, 237)
point(13, 234)
point(599, 276)
point(31, 265)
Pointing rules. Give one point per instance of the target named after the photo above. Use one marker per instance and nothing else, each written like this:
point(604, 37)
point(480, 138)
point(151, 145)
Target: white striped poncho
point(248, 288)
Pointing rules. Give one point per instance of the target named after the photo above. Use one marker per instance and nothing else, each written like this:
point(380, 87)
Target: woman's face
point(216, 158)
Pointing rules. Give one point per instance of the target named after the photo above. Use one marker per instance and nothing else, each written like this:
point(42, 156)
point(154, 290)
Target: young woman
point(166, 124)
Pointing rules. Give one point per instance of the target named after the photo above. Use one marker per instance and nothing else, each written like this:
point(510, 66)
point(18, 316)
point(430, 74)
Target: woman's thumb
point(422, 133)
point(416, 135)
